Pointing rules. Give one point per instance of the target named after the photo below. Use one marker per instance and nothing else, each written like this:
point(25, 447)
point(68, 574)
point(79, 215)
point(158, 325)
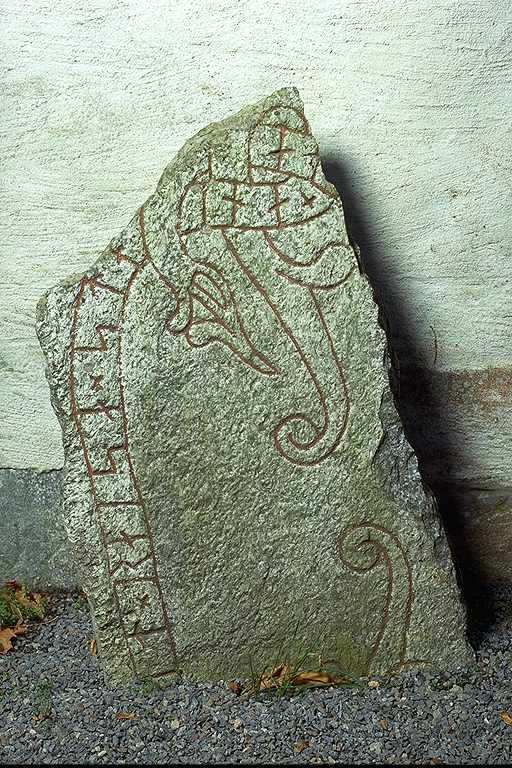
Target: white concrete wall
point(411, 102)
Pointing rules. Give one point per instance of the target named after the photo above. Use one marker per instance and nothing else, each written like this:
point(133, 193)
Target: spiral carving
point(281, 199)
point(362, 547)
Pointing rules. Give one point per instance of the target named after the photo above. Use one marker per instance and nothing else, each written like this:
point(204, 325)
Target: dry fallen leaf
point(373, 683)
point(301, 745)
point(13, 584)
point(316, 678)
point(340, 680)
point(126, 716)
point(507, 719)
point(43, 716)
point(93, 646)
point(384, 723)
point(276, 678)
point(6, 636)
point(284, 676)
point(235, 687)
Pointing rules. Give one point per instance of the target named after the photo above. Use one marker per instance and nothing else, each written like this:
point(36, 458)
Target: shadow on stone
point(418, 399)
point(196, 512)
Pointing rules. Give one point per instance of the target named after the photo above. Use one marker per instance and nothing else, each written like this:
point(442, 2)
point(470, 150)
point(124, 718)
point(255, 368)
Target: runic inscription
point(226, 416)
point(284, 204)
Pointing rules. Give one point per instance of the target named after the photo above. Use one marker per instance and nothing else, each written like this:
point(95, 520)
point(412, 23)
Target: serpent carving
point(277, 213)
point(363, 547)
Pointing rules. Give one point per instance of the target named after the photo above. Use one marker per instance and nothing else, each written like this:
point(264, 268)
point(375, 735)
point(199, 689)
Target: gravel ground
point(421, 717)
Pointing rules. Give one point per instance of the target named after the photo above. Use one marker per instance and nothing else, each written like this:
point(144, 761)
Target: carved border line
point(381, 554)
point(201, 181)
point(319, 434)
point(95, 282)
point(138, 501)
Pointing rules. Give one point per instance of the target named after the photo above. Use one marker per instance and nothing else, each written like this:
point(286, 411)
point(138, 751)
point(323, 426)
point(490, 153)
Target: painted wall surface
point(411, 102)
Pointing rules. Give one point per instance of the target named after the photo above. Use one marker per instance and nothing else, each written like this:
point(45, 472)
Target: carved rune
point(281, 206)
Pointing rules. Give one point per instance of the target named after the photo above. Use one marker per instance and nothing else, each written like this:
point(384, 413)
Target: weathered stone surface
point(34, 548)
point(237, 482)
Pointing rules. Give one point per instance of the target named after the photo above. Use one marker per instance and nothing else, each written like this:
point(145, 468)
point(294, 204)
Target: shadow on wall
point(417, 398)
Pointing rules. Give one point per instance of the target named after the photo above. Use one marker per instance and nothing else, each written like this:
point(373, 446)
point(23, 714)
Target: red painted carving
point(362, 547)
point(212, 306)
point(101, 331)
point(209, 313)
point(93, 283)
point(96, 382)
point(211, 299)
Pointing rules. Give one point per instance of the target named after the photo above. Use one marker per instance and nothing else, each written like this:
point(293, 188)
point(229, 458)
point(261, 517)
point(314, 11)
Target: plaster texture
point(237, 482)
point(34, 548)
point(410, 103)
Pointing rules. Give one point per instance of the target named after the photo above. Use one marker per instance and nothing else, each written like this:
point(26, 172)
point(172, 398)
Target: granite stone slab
point(238, 487)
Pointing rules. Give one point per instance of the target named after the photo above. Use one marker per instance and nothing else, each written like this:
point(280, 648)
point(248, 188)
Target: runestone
point(238, 487)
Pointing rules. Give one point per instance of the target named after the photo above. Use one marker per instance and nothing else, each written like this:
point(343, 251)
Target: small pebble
point(420, 716)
